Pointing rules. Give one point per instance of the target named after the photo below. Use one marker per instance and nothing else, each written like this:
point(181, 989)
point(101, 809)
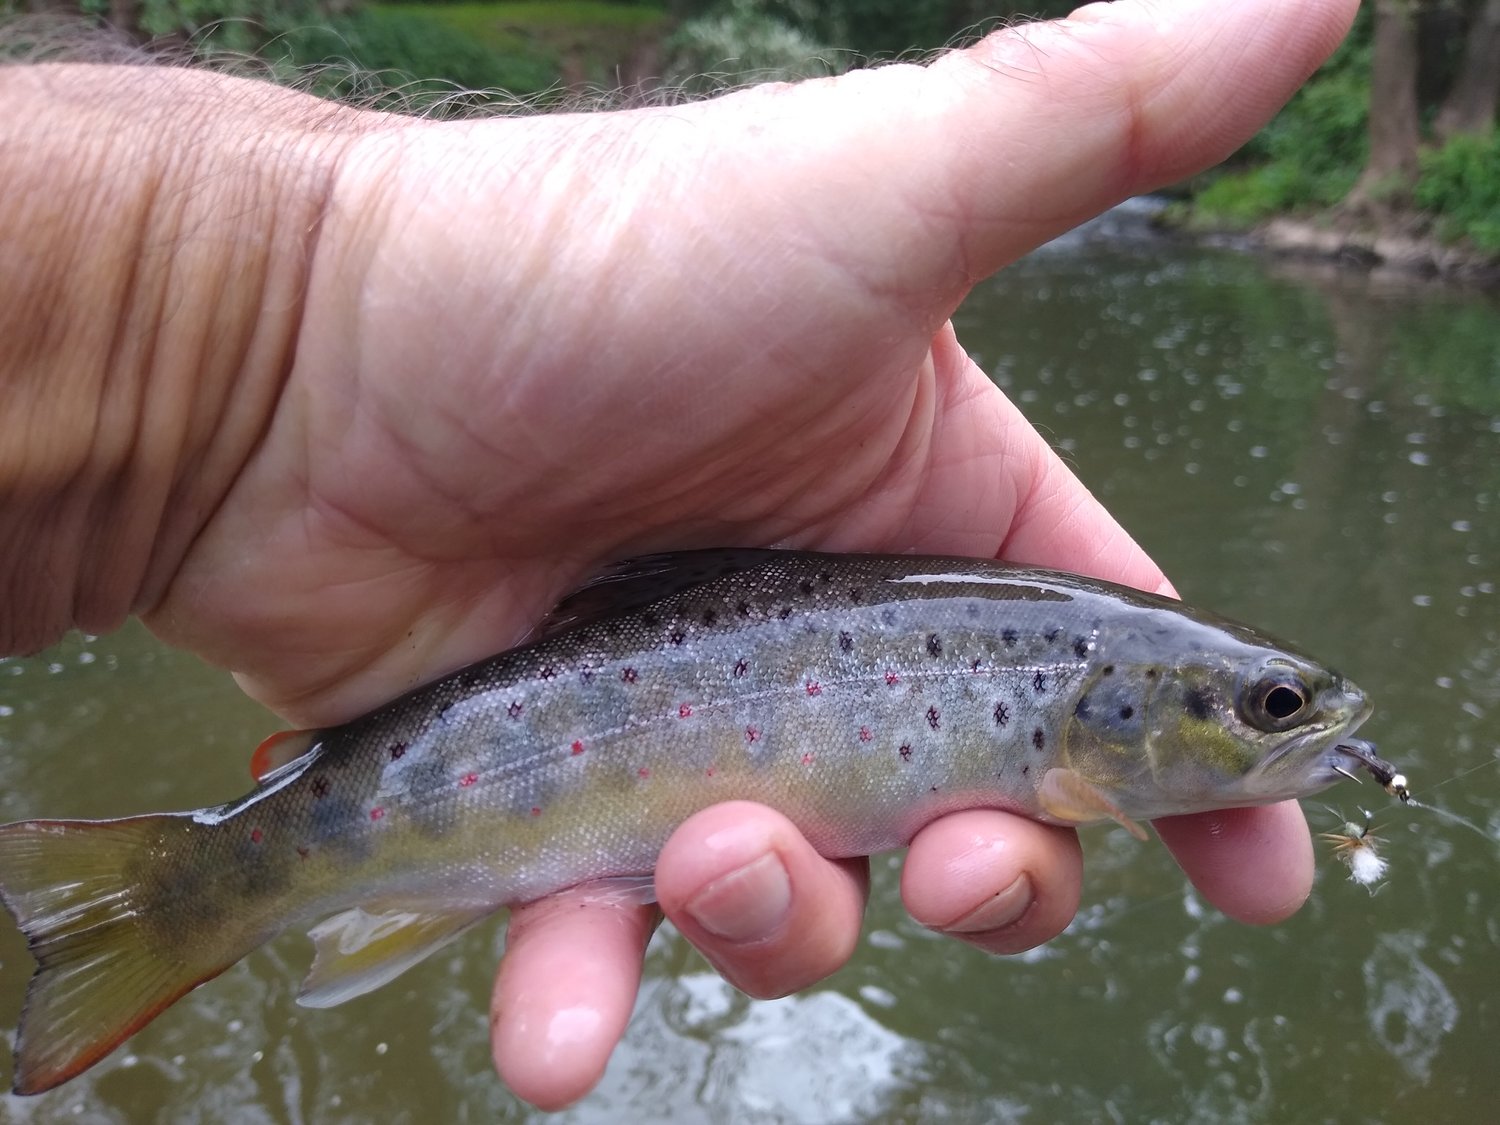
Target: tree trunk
point(1470, 105)
point(1395, 130)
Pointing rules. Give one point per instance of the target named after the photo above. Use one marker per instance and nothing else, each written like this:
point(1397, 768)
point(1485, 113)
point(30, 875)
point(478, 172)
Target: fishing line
point(1453, 816)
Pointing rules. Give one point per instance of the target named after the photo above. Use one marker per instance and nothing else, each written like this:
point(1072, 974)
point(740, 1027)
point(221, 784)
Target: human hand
point(529, 346)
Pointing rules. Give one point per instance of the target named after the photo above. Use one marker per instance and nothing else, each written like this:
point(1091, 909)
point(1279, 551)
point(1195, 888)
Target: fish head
point(1222, 727)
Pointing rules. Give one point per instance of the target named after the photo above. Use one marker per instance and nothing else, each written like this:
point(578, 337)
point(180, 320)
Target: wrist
point(159, 228)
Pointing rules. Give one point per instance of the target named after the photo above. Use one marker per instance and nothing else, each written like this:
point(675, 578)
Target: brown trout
point(862, 696)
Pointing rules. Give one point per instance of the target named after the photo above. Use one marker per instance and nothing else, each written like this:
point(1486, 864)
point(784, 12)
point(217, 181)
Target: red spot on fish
point(684, 710)
point(514, 710)
point(807, 759)
point(814, 688)
point(320, 787)
point(752, 734)
point(905, 752)
point(535, 811)
point(741, 667)
point(304, 851)
point(628, 675)
point(376, 813)
point(933, 718)
point(467, 780)
point(891, 678)
point(256, 835)
point(643, 772)
point(578, 747)
point(864, 734)
point(397, 750)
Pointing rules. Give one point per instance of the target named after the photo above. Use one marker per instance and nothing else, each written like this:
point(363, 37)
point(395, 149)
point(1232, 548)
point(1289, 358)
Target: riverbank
point(1326, 237)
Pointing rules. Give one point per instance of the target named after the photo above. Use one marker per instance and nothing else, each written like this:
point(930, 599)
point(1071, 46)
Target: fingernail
point(748, 904)
point(997, 911)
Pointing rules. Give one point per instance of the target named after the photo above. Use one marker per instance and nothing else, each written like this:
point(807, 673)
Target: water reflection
point(1297, 448)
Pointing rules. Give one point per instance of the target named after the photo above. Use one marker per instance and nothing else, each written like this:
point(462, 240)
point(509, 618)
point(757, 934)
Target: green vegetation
point(1315, 159)
point(1460, 185)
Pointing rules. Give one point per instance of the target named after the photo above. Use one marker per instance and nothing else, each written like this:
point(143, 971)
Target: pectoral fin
point(1067, 795)
point(360, 950)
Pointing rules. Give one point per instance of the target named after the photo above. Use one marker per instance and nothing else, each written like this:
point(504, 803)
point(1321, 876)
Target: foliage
point(741, 39)
point(1460, 183)
point(886, 27)
point(399, 58)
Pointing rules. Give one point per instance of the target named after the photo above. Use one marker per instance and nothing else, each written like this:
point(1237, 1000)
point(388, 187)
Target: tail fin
point(103, 971)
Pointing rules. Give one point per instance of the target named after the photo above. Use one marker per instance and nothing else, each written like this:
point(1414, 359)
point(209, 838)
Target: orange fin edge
point(279, 749)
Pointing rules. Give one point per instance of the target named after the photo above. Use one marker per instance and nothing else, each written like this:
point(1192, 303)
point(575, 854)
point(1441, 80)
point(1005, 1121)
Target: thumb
point(925, 179)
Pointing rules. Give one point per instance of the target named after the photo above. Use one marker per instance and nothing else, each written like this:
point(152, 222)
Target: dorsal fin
point(639, 581)
point(280, 749)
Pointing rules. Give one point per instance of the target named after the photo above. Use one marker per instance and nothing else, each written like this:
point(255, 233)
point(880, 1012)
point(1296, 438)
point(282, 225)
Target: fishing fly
point(1356, 845)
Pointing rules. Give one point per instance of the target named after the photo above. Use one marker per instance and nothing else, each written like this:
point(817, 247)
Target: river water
point(1314, 452)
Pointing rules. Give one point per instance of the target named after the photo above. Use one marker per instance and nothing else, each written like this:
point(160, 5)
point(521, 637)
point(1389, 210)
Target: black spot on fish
point(1002, 714)
point(650, 619)
point(1025, 770)
point(1083, 710)
point(710, 618)
point(1038, 739)
point(974, 665)
point(1039, 681)
point(740, 668)
point(514, 710)
point(905, 752)
point(846, 642)
point(1081, 647)
point(1051, 634)
point(824, 577)
point(888, 616)
point(805, 586)
point(628, 675)
point(933, 789)
point(1151, 673)
point(678, 636)
point(1199, 703)
point(786, 611)
point(857, 595)
point(742, 608)
point(397, 750)
point(548, 672)
point(1109, 669)
point(585, 675)
point(934, 645)
point(320, 787)
point(1127, 712)
point(933, 719)
point(1009, 636)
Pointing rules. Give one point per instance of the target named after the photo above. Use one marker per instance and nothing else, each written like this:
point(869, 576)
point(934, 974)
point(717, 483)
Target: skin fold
point(342, 401)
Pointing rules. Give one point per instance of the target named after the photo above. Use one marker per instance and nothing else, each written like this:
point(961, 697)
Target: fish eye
point(1276, 702)
point(1282, 702)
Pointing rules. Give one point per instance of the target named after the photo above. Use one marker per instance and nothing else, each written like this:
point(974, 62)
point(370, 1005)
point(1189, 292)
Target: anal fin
point(360, 950)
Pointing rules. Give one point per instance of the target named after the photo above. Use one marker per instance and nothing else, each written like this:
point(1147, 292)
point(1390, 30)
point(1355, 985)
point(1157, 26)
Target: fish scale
point(862, 696)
